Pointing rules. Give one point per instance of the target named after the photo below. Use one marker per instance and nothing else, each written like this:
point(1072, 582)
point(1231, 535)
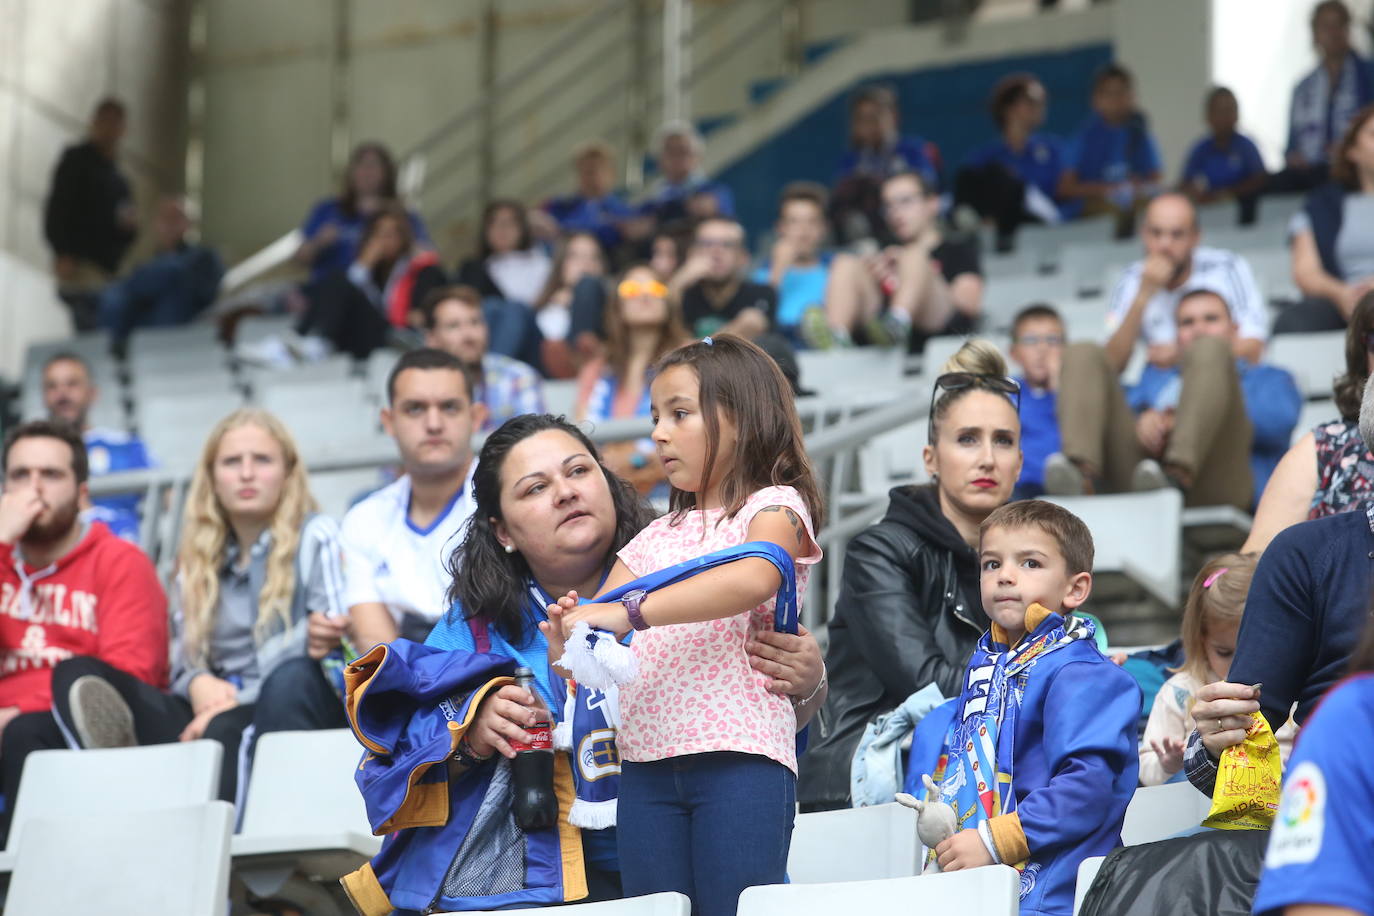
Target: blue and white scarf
point(592, 715)
point(975, 771)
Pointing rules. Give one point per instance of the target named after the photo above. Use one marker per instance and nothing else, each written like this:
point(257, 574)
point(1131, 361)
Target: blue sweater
point(1271, 399)
point(1075, 769)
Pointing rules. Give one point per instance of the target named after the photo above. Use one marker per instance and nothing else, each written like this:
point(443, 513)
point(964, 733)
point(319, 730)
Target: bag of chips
point(1249, 781)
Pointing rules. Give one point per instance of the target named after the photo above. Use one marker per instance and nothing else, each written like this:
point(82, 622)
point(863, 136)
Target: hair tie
point(1208, 582)
point(708, 341)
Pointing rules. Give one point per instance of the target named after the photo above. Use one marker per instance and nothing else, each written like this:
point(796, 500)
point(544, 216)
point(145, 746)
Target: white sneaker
point(1148, 475)
point(271, 352)
point(312, 349)
point(1062, 477)
point(100, 716)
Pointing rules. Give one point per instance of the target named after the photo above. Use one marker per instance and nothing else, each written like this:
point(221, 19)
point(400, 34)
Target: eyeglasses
point(1038, 340)
point(962, 381)
point(629, 289)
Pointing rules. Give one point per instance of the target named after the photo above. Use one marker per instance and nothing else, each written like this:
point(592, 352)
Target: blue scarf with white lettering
point(975, 771)
point(591, 717)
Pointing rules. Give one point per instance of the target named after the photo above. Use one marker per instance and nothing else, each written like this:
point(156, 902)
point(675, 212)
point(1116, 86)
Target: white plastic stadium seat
point(854, 844)
point(1135, 534)
point(1087, 873)
point(666, 904)
point(1157, 812)
point(1313, 359)
point(122, 782)
point(170, 860)
point(303, 811)
point(991, 891)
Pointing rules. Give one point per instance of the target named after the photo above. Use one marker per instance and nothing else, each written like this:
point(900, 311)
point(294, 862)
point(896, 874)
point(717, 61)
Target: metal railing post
point(636, 96)
point(486, 149)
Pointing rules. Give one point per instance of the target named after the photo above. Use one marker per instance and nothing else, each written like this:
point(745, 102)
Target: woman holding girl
point(708, 778)
point(257, 602)
point(642, 324)
point(550, 519)
point(911, 609)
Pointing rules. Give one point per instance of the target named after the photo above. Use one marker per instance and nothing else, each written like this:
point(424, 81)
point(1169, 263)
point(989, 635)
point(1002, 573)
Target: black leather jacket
point(909, 614)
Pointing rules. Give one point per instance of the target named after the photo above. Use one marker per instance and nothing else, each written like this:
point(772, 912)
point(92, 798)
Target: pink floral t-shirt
point(695, 692)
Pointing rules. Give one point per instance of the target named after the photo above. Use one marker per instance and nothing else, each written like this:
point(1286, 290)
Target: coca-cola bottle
point(536, 806)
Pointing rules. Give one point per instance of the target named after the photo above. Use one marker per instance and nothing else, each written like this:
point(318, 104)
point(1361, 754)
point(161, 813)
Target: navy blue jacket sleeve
point(1090, 715)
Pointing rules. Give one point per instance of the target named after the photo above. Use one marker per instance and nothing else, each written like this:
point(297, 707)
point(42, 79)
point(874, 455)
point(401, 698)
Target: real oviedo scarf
point(974, 773)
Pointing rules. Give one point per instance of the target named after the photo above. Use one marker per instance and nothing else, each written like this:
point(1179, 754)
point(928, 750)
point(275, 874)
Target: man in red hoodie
point(66, 588)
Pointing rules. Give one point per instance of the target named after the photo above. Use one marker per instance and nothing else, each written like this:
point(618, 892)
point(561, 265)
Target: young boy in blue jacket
point(1039, 760)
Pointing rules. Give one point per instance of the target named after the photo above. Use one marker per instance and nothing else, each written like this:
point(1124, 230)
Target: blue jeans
point(705, 825)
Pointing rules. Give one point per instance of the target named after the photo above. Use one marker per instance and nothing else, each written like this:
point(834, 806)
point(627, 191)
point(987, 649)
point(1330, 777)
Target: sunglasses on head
point(962, 381)
point(629, 289)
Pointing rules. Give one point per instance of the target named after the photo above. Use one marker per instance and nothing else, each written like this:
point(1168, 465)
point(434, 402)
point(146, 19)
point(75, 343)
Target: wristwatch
point(632, 600)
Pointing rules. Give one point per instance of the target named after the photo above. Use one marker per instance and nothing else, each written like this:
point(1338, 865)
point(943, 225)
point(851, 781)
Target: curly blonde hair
point(205, 536)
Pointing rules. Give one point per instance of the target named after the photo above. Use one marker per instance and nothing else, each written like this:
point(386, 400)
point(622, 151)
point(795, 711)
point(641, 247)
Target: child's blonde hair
point(1217, 597)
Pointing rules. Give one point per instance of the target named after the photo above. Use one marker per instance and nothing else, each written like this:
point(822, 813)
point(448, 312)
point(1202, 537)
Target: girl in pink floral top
point(708, 781)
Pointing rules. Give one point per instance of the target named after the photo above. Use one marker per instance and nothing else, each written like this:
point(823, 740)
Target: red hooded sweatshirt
point(101, 599)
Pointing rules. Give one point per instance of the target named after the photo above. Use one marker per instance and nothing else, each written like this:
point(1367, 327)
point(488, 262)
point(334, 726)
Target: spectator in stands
point(335, 227)
point(179, 282)
point(1324, 101)
point(1331, 468)
point(715, 296)
point(1322, 830)
point(877, 151)
point(595, 207)
point(534, 474)
point(1307, 608)
point(395, 542)
point(1015, 179)
point(798, 267)
point(920, 287)
point(1211, 622)
point(1145, 299)
point(579, 257)
point(90, 219)
point(667, 251)
point(509, 265)
point(1037, 347)
point(1039, 758)
point(1226, 164)
point(910, 609)
point(642, 324)
point(682, 190)
point(66, 588)
point(256, 605)
point(1333, 237)
point(1214, 425)
point(454, 323)
point(1113, 164)
point(356, 311)
point(68, 395)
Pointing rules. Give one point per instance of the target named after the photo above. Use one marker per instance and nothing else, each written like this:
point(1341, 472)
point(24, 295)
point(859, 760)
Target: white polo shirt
point(1223, 272)
point(388, 560)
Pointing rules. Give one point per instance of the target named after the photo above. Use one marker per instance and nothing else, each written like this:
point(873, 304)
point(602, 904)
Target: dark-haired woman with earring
point(550, 519)
point(910, 609)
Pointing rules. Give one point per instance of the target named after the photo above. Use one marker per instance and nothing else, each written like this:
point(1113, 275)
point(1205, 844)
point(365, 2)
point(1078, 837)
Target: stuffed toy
point(935, 820)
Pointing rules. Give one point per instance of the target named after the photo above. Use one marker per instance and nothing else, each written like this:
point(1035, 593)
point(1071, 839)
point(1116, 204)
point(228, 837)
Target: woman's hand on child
point(963, 850)
point(611, 617)
point(1170, 753)
point(792, 663)
point(502, 718)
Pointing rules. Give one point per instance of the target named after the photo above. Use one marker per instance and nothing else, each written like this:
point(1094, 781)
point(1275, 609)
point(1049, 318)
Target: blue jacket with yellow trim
point(452, 843)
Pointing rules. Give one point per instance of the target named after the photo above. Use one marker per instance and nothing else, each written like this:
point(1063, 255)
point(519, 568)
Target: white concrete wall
point(57, 59)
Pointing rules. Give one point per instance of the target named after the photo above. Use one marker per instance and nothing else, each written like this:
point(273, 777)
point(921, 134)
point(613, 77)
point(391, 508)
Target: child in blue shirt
point(1113, 162)
point(1225, 164)
point(1037, 347)
point(797, 268)
point(1038, 755)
